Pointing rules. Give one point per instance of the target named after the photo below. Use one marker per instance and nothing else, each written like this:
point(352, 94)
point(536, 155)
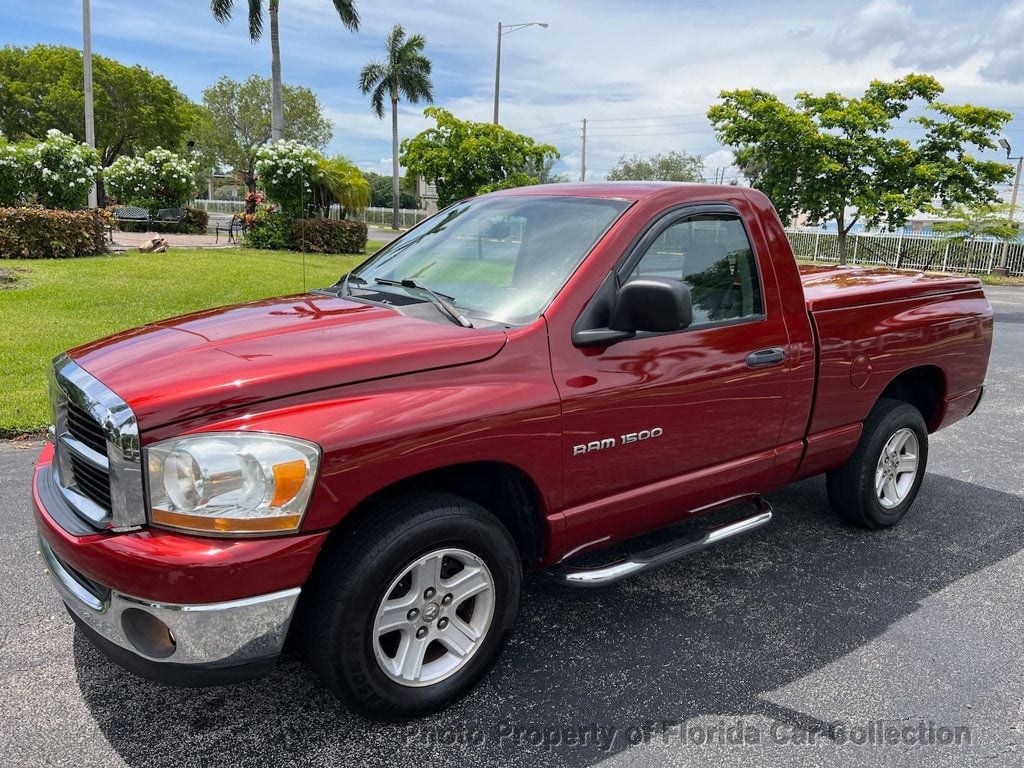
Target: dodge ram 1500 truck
point(524, 377)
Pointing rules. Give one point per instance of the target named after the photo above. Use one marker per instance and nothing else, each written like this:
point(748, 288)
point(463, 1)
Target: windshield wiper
point(439, 300)
point(344, 284)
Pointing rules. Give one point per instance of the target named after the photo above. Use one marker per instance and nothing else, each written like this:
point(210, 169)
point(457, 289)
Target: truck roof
point(626, 190)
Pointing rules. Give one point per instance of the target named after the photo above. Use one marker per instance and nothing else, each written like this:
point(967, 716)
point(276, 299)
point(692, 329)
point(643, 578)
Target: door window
point(712, 255)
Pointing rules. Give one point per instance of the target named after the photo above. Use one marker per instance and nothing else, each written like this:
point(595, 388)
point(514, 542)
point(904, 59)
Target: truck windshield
point(499, 258)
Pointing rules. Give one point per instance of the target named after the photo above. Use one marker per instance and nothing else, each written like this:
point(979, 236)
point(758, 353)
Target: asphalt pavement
point(803, 644)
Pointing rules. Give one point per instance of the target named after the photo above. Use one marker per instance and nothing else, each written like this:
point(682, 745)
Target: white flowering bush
point(60, 171)
point(158, 179)
point(287, 170)
point(12, 173)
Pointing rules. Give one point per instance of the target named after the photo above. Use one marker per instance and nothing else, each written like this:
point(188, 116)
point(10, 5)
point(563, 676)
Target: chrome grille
point(98, 459)
point(83, 427)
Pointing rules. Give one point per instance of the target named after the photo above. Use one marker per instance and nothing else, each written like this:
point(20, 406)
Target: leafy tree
point(339, 181)
point(833, 157)
point(405, 72)
point(670, 166)
point(222, 12)
point(238, 117)
point(382, 194)
point(464, 158)
point(42, 88)
point(545, 172)
point(969, 221)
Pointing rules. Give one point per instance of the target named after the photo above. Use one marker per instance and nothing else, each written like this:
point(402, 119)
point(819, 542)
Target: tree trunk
point(276, 99)
point(395, 199)
point(841, 239)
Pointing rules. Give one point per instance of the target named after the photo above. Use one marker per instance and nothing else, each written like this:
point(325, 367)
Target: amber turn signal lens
point(288, 479)
point(226, 524)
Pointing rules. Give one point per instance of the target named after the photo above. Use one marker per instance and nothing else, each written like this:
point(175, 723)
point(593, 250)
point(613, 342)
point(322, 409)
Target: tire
point(382, 560)
point(852, 489)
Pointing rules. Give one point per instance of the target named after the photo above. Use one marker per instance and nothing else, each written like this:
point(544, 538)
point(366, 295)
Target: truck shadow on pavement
point(709, 635)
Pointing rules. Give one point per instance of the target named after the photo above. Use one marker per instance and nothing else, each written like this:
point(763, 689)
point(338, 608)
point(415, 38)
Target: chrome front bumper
point(176, 643)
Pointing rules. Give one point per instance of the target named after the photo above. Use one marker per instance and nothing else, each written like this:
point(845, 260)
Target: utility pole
point(583, 153)
point(90, 121)
point(497, 75)
point(1002, 269)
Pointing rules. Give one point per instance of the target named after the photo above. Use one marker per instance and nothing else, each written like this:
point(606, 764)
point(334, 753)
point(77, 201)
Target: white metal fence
point(905, 251)
point(407, 217)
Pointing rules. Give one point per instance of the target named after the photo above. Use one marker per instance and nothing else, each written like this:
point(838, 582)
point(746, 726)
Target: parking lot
point(795, 641)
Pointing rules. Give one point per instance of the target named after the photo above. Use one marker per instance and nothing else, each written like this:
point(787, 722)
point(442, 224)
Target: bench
point(234, 227)
point(169, 217)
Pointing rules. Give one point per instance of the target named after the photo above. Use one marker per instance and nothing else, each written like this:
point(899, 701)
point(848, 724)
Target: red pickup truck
point(523, 378)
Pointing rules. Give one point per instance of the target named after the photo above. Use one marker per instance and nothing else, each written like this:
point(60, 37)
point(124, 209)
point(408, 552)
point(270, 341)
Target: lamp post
point(1002, 269)
point(507, 29)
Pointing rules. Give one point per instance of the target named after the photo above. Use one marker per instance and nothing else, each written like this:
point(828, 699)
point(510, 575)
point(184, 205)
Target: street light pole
point(1002, 269)
point(497, 75)
point(507, 29)
point(90, 120)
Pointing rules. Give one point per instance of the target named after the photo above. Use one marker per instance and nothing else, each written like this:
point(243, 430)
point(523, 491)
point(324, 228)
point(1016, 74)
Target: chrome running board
point(603, 575)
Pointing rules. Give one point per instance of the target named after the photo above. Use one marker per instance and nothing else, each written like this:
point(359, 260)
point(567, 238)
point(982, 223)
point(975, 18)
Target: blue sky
point(642, 72)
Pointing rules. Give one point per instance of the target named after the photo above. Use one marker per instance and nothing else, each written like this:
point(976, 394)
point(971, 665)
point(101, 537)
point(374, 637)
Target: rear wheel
point(414, 606)
point(876, 487)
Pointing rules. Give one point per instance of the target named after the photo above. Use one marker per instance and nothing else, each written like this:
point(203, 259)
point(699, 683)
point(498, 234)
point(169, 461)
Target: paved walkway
point(130, 240)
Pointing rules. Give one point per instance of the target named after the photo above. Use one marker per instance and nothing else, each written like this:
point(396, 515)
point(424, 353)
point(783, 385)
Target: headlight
point(231, 482)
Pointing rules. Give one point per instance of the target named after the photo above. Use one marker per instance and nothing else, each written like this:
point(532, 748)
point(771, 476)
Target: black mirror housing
point(653, 304)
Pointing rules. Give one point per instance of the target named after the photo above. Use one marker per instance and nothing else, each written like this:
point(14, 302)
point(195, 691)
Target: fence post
point(899, 249)
point(991, 258)
point(817, 239)
point(856, 242)
point(945, 256)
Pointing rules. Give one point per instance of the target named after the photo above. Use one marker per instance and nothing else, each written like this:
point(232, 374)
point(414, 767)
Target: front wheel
point(876, 487)
point(414, 606)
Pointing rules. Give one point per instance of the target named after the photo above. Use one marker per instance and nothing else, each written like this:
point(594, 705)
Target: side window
point(712, 255)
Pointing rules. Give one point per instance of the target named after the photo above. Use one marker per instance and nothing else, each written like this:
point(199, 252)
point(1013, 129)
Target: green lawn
point(57, 304)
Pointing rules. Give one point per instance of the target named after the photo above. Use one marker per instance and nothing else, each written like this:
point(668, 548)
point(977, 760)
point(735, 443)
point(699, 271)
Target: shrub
point(328, 236)
point(38, 233)
point(12, 173)
point(60, 171)
point(196, 221)
point(158, 179)
point(268, 229)
point(286, 170)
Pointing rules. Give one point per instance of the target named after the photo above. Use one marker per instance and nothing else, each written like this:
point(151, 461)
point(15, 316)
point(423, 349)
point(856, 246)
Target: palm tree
point(222, 12)
point(405, 72)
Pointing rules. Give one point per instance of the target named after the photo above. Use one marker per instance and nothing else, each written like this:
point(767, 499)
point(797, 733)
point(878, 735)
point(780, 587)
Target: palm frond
point(348, 14)
point(255, 19)
point(221, 10)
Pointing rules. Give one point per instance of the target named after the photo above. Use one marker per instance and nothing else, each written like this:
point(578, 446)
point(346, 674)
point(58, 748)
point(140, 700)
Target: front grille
point(84, 427)
point(98, 458)
point(93, 482)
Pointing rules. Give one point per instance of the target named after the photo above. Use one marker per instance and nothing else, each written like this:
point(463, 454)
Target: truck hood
point(234, 356)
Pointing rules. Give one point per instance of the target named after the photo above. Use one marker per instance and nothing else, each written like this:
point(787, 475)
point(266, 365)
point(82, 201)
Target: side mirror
point(656, 304)
point(653, 304)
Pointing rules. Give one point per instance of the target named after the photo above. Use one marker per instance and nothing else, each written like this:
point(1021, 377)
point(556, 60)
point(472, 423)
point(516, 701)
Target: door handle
point(763, 358)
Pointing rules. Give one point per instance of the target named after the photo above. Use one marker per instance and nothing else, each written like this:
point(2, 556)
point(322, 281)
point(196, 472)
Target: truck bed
point(827, 287)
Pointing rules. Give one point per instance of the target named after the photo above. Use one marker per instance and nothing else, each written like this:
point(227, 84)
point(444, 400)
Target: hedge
point(42, 233)
point(328, 236)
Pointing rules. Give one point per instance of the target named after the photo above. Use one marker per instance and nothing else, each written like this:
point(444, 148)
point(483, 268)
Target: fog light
point(147, 633)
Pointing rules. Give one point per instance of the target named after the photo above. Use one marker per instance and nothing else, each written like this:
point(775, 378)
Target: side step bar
point(639, 562)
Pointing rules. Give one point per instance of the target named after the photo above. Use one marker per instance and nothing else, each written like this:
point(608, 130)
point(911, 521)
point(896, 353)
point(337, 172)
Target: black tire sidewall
point(890, 417)
point(448, 522)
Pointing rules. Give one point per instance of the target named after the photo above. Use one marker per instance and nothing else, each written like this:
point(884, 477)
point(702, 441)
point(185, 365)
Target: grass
point(54, 305)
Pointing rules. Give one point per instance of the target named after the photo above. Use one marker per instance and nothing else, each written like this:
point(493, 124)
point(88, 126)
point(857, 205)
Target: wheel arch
point(505, 490)
point(924, 387)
